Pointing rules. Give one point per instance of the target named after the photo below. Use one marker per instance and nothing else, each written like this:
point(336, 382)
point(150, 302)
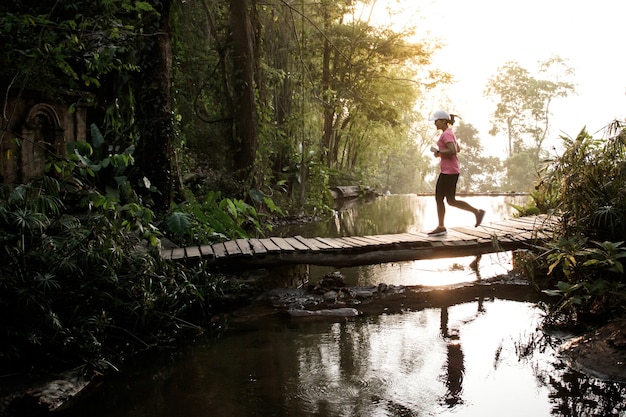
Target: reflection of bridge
point(347, 251)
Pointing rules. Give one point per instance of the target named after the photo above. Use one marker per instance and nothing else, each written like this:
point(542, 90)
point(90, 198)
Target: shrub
point(586, 187)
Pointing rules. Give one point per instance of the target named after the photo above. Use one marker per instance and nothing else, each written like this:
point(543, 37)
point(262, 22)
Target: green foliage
point(585, 187)
point(216, 218)
point(76, 41)
point(590, 180)
point(594, 285)
point(606, 256)
point(521, 171)
point(530, 209)
point(82, 280)
point(334, 95)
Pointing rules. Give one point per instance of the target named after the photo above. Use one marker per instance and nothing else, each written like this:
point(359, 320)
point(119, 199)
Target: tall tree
point(323, 86)
point(511, 85)
point(369, 75)
point(555, 82)
point(523, 101)
point(479, 173)
point(471, 150)
point(245, 115)
point(155, 112)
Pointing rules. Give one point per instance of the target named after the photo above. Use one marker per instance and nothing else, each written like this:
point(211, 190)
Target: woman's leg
point(440, 195)
point(451, 195)
point(463, 205)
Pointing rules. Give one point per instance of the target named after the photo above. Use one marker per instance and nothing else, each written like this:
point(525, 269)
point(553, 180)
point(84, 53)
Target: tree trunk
point(245, 113)
point(329, 111)
point(154, 109)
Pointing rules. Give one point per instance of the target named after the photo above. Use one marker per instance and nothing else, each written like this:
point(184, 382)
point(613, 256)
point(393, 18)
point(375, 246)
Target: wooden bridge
point(523, 232)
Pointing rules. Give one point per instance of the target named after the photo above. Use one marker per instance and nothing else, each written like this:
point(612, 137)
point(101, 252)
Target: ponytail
point(452, 117)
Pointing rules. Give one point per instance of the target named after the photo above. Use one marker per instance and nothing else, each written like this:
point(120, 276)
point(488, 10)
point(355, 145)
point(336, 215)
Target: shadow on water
point(467, 351)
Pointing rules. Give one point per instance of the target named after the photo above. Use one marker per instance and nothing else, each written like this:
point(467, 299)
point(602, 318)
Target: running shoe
point(439, 231)
point(480, 214)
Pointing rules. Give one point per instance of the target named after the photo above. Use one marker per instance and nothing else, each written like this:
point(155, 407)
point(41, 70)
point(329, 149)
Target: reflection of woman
point(447, 149)
point(454, 378)
point(455, 365)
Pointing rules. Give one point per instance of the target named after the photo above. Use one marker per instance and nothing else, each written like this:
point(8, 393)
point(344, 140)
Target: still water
point(486, 357)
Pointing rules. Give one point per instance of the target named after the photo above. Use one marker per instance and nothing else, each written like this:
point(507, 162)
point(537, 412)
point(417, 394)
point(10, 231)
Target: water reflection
point(480, 358)
point(455, 361)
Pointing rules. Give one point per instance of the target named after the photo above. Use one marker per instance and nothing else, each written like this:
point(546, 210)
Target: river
point(483, 357)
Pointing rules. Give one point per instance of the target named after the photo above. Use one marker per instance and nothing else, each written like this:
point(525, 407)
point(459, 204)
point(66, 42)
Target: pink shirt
point(449, 163)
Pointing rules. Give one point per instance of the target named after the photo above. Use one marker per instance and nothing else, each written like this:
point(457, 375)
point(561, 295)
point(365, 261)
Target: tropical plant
point(585, 187)
point(218, 219)
point(83, 281)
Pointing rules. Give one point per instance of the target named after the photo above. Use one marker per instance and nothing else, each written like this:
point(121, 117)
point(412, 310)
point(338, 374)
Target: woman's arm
point(450, 149)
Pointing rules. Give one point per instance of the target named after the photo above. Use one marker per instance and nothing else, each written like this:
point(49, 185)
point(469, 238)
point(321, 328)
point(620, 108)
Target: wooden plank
point(525, 220)
point(540, 219)
point(345, 242)
point(475, 232)
point(232, 248)
point(257, 246)
point(385, 239)
point(178, 253)
point(330, 242)
point(452, 239)
point(419, 239)
point(501, 235)
point(192, 252)
point(501, 230)
point(312, 244)
point(321, 244)
point(460, 238)
point(358, 243)
point(342, 243)
point(378, 238)
point(244, 246)
point(282, 244)
point(517, 225)
point(488, 233)
point(409, 237)
point(534, 223)
point(296, 244)
point(511, 233)
point(219, 250)
point(166, 253)
point(463, 236)
point(269, 245)
point(368, 241)
point(207, 251)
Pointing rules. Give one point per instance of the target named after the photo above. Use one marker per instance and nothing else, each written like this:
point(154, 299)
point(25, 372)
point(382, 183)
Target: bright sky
point(481, 35)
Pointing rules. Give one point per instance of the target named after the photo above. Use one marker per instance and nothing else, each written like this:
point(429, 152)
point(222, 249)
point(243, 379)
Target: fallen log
point(352, 191)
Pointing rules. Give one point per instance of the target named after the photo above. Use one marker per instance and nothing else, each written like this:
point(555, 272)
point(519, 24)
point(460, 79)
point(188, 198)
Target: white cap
point(439, 114)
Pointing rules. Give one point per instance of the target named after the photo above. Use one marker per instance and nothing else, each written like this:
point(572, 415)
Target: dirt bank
point(600, 353)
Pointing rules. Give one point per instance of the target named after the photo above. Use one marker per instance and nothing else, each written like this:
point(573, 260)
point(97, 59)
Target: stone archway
point(42, 135)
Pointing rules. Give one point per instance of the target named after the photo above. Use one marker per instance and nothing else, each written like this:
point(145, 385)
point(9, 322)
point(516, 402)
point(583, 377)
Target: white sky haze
point(479, 36)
